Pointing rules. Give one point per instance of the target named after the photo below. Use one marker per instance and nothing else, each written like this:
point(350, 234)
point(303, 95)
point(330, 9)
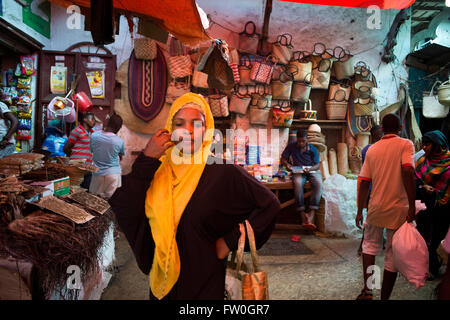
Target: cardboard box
point(61, 187)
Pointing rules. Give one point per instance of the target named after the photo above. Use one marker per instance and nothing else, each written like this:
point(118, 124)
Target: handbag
point(261, 98)
point(363, 89)
point(242, 285)
point(444, 93)
point(362, 72)
point(245, 70)
point(364, 106)
point(304, 67)
point(200, 79)
point(220, 75)
point(180, 64)
point(282, 114)
point(308, 114)
point(248, 42)
point(259, 114)
point(282, 88)
point(261, 71)
point(145, 48)
point(260, 107)
point(321, 72)
point(432, 108)
point(283, 51)
point(176, 89)
point(339, 92)
point(219, 105)
point(300, 91)
point(343, 68)
point(239, 102)
point(234, 65)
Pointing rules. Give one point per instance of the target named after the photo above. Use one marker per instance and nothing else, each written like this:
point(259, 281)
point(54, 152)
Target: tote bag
point(282, 48)
point(245, 285)
point(248, 41)
point(432, 108)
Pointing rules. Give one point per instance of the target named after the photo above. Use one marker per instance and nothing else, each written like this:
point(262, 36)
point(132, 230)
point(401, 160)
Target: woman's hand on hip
point(222, 249)
point(158, 144)
point(428, 189)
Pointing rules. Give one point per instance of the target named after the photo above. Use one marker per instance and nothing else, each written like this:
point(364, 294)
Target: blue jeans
point(299, 180)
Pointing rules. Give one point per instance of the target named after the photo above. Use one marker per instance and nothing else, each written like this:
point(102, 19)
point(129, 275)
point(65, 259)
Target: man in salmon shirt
point(389, 166)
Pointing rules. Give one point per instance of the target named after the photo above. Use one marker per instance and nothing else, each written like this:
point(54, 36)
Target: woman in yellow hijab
point(181, 214)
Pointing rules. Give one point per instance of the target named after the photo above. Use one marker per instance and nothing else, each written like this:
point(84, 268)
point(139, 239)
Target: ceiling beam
point(420, 19)
point(428, 8)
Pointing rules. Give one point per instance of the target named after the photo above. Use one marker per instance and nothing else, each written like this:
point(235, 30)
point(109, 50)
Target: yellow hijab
point(169, 193)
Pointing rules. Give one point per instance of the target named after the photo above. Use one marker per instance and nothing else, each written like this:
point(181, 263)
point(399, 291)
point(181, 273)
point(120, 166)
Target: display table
point(286, 185)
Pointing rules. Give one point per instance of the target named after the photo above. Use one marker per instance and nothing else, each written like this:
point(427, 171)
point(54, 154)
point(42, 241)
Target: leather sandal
point(365, 295)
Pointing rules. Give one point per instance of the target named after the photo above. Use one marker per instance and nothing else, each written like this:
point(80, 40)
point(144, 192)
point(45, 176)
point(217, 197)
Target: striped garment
point(81, 140)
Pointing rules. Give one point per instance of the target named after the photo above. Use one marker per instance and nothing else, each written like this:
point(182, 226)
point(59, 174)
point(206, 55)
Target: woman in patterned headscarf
point(433, 180)
point(181, 214)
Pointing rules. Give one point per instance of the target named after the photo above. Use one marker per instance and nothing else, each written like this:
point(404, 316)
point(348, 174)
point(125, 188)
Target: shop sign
point(37, 15)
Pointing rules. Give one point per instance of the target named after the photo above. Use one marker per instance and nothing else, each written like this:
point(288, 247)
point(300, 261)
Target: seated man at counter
point(302, 154)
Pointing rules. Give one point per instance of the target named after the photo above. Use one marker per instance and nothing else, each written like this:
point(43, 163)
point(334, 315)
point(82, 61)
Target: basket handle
point(324, 61)
point(240, 251)
point(339, 90)
point(245, 61)
point(316, 52)
point(252, 244)
point(309, 105)
point(432, 88)
point(292, 66)
point(239, 94)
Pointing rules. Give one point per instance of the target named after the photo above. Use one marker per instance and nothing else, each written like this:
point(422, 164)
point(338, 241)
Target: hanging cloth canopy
point(382, 4)
point(179, 17)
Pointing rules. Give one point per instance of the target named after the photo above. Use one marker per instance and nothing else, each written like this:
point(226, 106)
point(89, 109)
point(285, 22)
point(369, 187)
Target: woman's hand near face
point(222, 249)
point(158, 144)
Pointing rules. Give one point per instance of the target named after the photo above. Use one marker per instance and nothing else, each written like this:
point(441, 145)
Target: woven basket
point(444, 93)
point(336, 110)
point(76, 175)
point(145, 48)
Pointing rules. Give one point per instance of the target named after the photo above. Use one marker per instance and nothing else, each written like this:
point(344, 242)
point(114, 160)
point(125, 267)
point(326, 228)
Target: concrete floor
point(332, 272)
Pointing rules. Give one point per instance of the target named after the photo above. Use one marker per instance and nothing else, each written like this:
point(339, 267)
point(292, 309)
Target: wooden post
point(263, 46)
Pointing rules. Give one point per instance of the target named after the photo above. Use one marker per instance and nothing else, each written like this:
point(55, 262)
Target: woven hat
point(314, 128)
point(320, 146)
point(123, 109)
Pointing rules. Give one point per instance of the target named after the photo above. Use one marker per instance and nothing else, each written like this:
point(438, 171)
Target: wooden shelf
point(321, 121)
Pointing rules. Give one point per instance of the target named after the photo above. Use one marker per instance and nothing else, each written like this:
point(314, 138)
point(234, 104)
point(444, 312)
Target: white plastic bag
point(340, 206)
point(410, 254)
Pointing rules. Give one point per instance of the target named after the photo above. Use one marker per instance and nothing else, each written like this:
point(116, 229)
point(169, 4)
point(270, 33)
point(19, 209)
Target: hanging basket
point(336, 110)
point(444, 93)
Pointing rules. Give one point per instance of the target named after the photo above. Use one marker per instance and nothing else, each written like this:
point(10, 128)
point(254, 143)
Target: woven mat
point(147, 85)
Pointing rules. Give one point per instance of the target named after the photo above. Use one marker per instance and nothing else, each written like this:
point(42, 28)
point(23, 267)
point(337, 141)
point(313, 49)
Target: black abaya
point(225, 196)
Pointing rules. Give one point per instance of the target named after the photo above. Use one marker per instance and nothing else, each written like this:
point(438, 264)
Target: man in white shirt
point(107, 149)
point(389, 166)
point(8, 126)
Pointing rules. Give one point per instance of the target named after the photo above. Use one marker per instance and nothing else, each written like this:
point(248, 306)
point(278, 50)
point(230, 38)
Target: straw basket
point(362, 139)
point(444, 93)
point(76, 175)
point(336, 110)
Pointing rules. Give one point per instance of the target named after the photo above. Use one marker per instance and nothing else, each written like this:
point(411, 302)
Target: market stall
point(54, 227)
point(18, 82)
